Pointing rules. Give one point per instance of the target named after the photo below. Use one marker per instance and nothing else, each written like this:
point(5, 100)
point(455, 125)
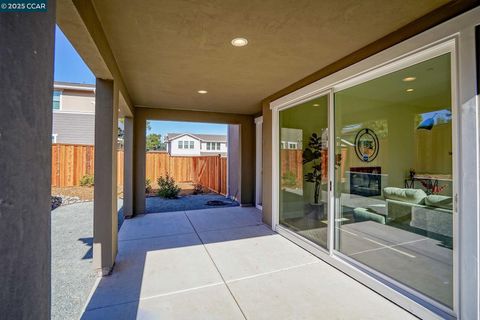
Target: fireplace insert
point(366, 181)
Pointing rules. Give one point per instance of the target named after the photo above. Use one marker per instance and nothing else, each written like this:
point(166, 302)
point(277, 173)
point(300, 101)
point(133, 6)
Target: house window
point(56, 99)
point(208, 145)
point(180, 144)
point(192, 144)
point(54, 138)
point(218, 145)
point(292, 146)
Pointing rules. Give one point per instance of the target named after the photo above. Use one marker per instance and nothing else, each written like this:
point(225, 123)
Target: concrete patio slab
point(213, 302)
point(155, 225)
point(248, 251)
point(224, 218)
point(314, 291)
point(239, 269)
point(155, 266)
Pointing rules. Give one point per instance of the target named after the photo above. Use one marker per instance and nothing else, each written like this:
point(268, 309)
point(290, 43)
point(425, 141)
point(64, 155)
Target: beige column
point(26, 83)
point(139, 147)
point(128, 137)
point(247, 166)
point(105, 221)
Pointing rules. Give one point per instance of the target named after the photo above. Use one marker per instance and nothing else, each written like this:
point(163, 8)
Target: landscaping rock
point(56, 202)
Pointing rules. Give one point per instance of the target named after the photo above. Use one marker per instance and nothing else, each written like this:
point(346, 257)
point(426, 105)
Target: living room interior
point(393, 180)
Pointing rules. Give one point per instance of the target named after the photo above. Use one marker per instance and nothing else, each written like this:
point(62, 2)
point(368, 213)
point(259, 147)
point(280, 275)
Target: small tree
point(167, 188)
point(154, 142)
point(312, 154)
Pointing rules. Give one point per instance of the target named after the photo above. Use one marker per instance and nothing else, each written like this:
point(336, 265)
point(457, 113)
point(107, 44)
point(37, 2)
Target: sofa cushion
point(363, 214)
point(439, 201)
point(416, 196)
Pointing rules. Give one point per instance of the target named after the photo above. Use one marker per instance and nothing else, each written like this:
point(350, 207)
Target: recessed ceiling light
point(408, 79)
point(202, 91)
point(409, 90)
point(239, 42)
point(316, 105)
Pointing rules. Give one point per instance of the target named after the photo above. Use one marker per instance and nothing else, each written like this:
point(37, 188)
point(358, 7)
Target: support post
point(105, 222)
point(26, 77)
point(139, 148)
point(128, 168)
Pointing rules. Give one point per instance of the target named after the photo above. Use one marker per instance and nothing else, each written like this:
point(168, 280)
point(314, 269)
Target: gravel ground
point(72, 237)
point(191, 202)
point(72, 273)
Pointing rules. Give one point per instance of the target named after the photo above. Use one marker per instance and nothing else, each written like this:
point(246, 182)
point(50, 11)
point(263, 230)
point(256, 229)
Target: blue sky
point(69, 67)
point(164, 127)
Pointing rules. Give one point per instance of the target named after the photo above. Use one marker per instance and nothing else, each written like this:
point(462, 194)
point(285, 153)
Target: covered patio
point(176, 60)
point(224, 264)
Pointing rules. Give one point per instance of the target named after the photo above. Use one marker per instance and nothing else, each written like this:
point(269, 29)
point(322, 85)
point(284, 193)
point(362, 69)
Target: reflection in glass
point(393, 181)
point(304, 168)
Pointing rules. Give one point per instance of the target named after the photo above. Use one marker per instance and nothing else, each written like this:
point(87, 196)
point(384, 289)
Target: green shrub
point(87, 180)
point(148, 185)
point(167, 188)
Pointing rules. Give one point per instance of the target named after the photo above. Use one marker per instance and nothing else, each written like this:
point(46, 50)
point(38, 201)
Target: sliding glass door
point(303, 169)
point(394, 176)
point(389, 184)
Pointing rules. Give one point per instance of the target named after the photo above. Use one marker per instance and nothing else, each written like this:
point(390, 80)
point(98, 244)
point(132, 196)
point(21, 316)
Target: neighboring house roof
point(201, 137)
point(74, 86)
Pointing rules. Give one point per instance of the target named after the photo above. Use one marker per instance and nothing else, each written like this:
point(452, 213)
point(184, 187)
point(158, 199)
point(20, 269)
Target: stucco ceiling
point(167, 50)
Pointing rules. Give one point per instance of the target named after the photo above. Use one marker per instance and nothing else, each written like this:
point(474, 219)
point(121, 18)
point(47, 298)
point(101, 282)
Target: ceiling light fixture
point(202, 91)
point(409, 90)
point(316, 105)
point(239, 42)
point(408, 79)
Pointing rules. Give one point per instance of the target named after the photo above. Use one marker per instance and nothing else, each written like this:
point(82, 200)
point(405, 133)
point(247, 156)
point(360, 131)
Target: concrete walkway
point(224, 264)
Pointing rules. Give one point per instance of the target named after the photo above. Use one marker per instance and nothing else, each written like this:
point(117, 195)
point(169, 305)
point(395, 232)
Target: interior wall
point(401, 147)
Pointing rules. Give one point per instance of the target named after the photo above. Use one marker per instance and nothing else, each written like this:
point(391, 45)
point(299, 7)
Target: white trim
point(72, 112)
point(258, 120)
point(258, 162)
point(54, 137)
point(77, 87)
point(447, 37)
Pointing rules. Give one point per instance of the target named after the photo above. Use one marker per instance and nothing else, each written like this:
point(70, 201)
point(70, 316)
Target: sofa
point(431, 213)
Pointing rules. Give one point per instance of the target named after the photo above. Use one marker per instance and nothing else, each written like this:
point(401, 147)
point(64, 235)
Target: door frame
point(457, 35)
point(258, 162)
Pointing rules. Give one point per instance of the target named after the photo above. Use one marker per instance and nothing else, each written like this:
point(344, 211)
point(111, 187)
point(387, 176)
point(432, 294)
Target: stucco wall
point(233, 188)
point(267, 164)
point(26, 77)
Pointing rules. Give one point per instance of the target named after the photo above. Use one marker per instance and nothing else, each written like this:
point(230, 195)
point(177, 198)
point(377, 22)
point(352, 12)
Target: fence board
point(71, 162)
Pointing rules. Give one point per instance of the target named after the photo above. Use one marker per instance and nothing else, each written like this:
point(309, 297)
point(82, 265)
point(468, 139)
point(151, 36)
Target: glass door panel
point(303, 167)
point(393, 176)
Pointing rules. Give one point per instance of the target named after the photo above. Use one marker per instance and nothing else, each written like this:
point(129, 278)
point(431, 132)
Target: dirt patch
point(84, 193)
point(187, 189)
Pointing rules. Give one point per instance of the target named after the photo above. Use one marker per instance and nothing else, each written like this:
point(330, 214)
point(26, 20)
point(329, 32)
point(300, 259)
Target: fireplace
point(366, 181)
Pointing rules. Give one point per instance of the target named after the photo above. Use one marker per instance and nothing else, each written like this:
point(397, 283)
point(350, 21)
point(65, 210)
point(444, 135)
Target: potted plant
point(313, 154)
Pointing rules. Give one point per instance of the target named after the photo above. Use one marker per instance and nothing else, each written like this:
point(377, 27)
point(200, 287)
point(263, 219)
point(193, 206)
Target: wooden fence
point(71, 162)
